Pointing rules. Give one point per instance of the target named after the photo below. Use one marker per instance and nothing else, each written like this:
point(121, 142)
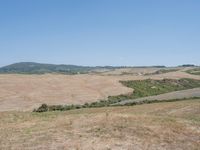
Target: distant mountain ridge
point(39, 68)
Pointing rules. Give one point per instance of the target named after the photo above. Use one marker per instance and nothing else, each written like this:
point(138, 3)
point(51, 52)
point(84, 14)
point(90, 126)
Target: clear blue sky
point(100, 32)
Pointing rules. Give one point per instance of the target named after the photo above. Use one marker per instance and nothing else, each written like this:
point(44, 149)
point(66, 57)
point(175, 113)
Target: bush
point(42, 108)
point(56, 107)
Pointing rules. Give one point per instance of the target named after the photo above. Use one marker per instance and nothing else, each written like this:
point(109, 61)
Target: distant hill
point(39, 68)
point(187, 65)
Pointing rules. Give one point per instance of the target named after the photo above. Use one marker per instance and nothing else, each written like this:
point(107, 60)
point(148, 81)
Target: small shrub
point(42, 108)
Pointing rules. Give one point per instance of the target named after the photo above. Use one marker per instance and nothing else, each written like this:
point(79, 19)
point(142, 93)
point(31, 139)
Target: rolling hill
point(40, 68)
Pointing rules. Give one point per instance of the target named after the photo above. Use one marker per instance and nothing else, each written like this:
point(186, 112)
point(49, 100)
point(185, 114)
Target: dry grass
point(25, 92)
point(174, 125)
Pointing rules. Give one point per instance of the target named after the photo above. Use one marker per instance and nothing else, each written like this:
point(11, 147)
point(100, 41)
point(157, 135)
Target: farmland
point(89, 123)
point(25, 92)
point(99, 75)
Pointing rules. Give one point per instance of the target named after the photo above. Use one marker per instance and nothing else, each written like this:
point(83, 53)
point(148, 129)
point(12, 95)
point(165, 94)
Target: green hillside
point(39, 68)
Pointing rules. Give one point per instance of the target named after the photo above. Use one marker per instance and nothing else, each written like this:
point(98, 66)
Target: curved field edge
point(172, 125)
point(142, 88)
point(149, 87)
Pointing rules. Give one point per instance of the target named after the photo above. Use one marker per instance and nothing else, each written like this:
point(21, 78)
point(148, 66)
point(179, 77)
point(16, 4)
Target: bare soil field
point(160, 126)
point(26, 92)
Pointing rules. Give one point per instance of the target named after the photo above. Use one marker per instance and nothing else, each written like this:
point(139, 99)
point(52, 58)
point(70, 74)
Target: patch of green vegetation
point(162, 71)
point(195, 71)
point(142, 88)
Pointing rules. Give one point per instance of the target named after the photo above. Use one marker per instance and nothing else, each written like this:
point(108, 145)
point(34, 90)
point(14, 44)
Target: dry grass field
point(99, 74)
point(25, 92)
point(159, 126)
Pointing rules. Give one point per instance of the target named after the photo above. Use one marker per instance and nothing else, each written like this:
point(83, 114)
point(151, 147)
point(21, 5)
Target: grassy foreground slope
point(174, 125)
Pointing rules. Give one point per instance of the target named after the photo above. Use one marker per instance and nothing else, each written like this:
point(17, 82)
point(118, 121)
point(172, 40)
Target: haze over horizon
point(100, 33)
point(97, 65)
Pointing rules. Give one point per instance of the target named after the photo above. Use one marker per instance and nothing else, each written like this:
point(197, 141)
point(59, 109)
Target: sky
point(100, 32)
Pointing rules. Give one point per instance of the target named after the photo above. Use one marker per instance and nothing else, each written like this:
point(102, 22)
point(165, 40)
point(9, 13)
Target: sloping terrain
point(142, 89)
point(161, 126)
point(26, 92)
point(167, 96)
point(149, 87)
